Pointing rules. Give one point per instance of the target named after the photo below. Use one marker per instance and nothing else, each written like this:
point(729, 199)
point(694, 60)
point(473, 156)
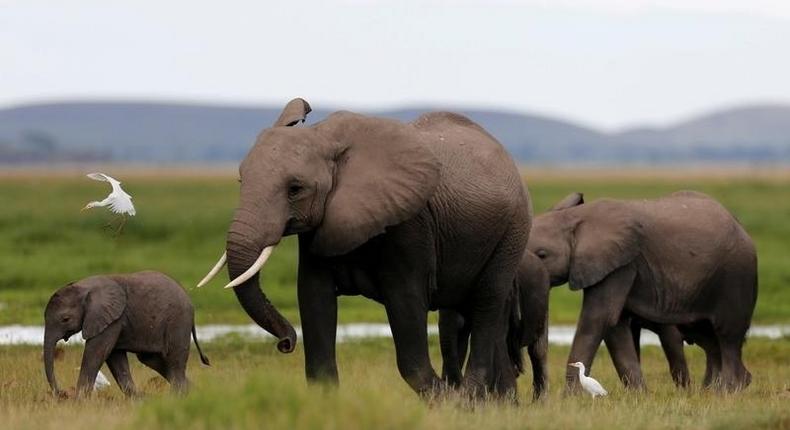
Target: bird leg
point(120, 220)
point(121, 225)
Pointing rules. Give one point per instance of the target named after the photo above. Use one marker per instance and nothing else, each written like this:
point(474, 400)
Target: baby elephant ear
point(294, 112)
point(104, 304)
point(603, 242)
point(571, 200)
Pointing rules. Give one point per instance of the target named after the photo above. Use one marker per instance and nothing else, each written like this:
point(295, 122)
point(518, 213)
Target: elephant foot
point(734, 386)
point(682, 381)
point(637, 385)
point(437, 393)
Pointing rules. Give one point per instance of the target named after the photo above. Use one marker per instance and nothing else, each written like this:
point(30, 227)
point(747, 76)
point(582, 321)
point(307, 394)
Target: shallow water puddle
point(558, 334)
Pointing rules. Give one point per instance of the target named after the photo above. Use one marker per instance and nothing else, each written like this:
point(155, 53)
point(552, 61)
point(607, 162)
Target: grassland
point(250, 385)
point(183, 215)
point(180, 229)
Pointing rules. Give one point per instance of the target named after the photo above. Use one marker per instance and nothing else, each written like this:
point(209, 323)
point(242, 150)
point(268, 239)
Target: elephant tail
point(514, 332)
point(203, 357)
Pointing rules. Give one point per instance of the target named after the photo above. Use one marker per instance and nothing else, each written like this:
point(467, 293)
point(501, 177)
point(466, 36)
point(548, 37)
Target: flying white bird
point(119, 201)
point(590, 385)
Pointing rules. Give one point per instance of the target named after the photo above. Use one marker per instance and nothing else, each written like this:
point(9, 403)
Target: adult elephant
point(682, 259)
point(417, 216)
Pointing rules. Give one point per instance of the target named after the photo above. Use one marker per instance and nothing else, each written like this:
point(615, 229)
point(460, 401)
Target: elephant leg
point(710, 345)
point(636, 335)
point(672, 344)
point(602, 306)
point(488, 330)
point(731, 323)
point(538, 357)
point(176, 364)
point(620, 343)
point(734, 375)
point(453, 340)
point(490, 313)
point(97, 350)
point(505, 375)
point(159, 364)
point(318, 311)
point(712, 368)
point(410, 334)
point(118, 364)
point(155, 362)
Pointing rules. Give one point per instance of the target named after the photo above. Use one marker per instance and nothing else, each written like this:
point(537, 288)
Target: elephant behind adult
point(623, 339)
point(528, 328)
point(417, 216)
point(681, 259)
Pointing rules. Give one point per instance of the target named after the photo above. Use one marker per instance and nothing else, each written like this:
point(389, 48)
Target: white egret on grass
point(590, 385)
point(119, 201)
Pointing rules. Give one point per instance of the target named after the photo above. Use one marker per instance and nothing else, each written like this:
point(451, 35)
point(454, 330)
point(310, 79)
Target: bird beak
point(84, 209)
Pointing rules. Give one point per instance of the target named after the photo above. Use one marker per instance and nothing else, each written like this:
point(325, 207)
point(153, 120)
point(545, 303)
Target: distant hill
point(189, 133)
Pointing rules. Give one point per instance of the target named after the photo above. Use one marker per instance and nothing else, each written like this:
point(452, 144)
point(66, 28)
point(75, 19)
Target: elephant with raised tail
point(416, 216)
point(681, 260)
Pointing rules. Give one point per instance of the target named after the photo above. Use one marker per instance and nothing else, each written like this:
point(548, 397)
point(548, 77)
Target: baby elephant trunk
point(50, 340)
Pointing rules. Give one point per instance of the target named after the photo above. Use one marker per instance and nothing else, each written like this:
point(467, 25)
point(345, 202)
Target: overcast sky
point(605, 63)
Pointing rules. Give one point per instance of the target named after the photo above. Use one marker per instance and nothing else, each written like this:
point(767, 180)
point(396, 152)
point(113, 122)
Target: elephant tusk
point(255, 268)
point(217, 267)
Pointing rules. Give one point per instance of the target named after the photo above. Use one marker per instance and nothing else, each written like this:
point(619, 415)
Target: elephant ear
point(385, 174)
point(293, 113)
point(571, 200)
point(603, 243)
point(104, 304)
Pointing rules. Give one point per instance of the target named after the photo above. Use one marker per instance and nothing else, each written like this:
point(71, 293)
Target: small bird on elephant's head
point(118, 200)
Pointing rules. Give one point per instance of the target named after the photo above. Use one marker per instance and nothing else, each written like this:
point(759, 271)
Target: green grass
point(46, 242)
point(250, 385)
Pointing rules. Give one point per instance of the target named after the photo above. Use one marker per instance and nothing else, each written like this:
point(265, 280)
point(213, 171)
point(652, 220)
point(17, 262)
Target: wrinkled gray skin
point(146, 313)
point(528, 328)
point(416, 216)
point(679, 260)
point(616, 340)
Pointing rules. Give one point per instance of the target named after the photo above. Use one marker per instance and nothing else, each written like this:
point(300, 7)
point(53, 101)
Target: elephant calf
point(147, 313)
point(528, 327)
point(679, 260)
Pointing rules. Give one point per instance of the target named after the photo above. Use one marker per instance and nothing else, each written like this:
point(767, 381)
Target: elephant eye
point(65, 318)
point(541, 254)
point(294, 190)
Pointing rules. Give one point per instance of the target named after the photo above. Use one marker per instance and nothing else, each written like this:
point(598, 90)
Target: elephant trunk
point(241, 255)
point(50, 340)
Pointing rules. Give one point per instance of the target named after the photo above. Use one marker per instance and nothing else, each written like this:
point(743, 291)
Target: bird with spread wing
point(118, 201)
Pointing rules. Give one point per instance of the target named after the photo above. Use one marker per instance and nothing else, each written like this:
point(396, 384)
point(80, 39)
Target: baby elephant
point(147, 313)
point(527, 312)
